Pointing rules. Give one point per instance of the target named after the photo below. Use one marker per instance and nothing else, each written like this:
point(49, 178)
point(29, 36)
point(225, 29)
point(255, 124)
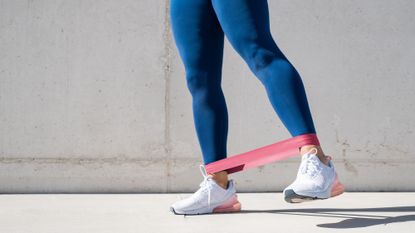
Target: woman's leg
point(246, 25)
point(199, 39)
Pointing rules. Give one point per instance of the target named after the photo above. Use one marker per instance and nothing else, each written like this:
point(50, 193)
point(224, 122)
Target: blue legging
point(198, 29)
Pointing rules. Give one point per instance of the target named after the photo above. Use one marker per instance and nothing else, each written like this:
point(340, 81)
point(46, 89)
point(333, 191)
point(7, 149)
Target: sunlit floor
point(261, 212)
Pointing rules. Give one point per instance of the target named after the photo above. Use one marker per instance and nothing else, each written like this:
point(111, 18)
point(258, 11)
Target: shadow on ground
point(353, 218)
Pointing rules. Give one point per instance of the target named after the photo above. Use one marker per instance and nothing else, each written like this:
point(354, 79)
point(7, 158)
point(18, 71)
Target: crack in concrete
point(167, 61)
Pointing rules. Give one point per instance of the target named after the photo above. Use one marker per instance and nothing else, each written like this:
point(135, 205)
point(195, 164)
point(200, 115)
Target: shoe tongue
point(309, 156)
point(315, 158)
point(306, 156)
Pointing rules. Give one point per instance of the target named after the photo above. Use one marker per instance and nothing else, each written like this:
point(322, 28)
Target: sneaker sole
point(336, 189)
point(229, 206)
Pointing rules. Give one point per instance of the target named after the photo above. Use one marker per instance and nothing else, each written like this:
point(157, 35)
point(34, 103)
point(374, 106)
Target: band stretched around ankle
point(263, 155)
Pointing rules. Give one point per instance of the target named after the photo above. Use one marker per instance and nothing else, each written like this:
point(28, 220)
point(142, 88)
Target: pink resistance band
point(263, 155)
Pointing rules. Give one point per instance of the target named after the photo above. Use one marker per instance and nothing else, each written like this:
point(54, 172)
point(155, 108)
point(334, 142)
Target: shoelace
point(310, 164)
point(205, 184)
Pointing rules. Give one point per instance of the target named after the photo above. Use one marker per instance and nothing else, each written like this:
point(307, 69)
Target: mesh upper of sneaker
point(206, 186)
point(309, 166)
point(312, 173)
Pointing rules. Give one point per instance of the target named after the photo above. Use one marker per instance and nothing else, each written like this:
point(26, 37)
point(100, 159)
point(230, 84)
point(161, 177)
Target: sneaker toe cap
point(184, 205)
point(177, 209)
point(289, 194)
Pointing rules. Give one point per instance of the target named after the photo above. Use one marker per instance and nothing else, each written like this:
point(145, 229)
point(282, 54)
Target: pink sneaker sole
point(337, 189)
point(231, 205)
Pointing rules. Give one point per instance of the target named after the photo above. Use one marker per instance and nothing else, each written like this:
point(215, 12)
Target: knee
point(261, 59)
point(270, 66)
point(198, 81)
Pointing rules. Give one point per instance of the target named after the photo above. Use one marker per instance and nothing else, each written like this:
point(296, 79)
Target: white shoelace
point(205, 184)
point(311, 165)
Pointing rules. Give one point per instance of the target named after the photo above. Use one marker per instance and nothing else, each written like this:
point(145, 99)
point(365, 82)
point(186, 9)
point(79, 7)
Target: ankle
point(221, 178)
point(222, 183)
point(320, 154)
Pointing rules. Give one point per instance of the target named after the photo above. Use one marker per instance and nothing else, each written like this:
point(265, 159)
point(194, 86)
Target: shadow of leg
point(366, 222)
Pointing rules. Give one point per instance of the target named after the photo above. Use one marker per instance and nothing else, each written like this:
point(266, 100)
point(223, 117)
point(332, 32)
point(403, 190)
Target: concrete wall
point(93, 96)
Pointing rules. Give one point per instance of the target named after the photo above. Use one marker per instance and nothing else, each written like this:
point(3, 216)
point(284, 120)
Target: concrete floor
point(261, 212)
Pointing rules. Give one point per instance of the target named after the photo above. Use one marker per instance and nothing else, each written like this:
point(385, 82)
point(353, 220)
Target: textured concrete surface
point(93, 96)
point(261, 212)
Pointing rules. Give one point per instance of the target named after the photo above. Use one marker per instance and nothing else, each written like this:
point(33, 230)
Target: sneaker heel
point(337, 189)
point(231, 205)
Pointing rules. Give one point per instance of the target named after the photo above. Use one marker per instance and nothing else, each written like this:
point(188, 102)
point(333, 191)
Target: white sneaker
point(314, 180)
point(209, 198)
